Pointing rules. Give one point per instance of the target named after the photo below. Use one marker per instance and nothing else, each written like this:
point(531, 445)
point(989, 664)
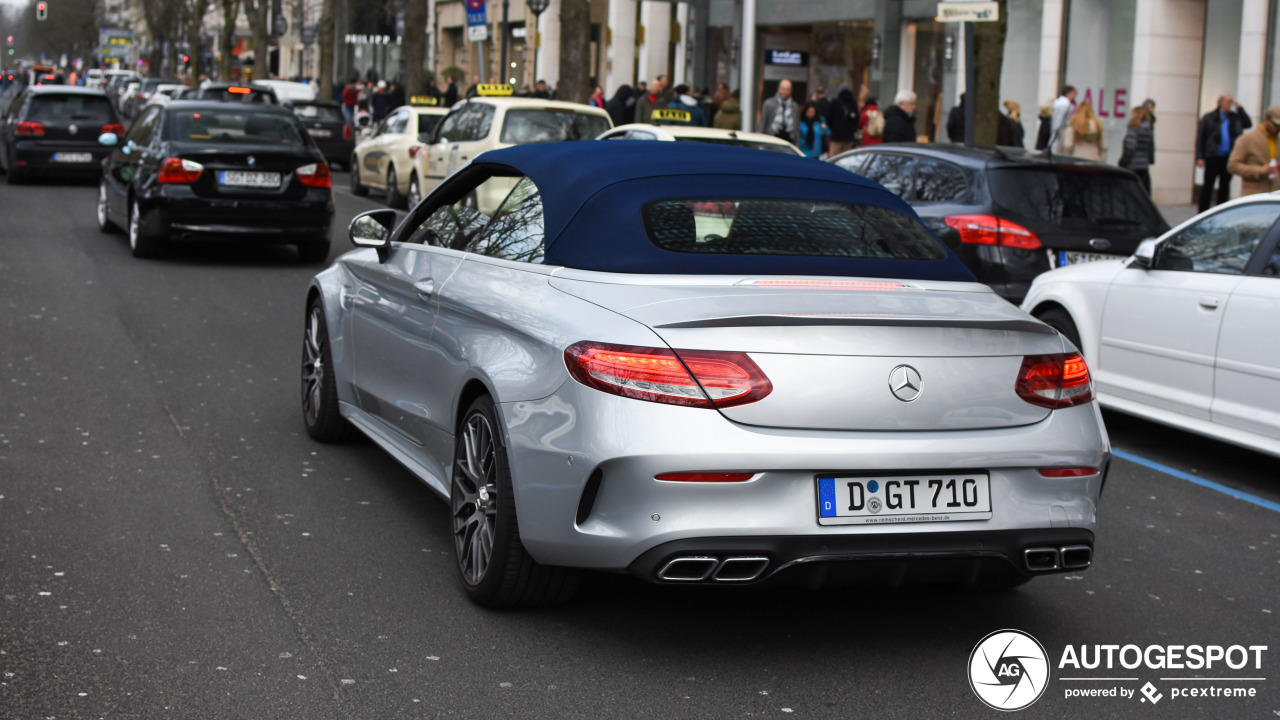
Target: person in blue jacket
point(682, 100)
point(813, 129)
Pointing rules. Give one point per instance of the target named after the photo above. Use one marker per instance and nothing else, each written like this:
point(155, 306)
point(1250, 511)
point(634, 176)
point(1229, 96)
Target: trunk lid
point(834, 355)
point(213, 183)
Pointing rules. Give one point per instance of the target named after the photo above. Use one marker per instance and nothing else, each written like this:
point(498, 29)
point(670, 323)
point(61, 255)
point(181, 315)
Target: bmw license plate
point(73, 157)
point(903, 499)
point(241, 178)
point(1062, 258)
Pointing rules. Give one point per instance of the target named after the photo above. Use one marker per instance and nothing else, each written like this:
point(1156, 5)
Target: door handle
point(1208, 303)
point(425, 288)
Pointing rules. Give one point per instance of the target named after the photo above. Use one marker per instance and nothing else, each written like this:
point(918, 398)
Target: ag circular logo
point(1008, 670)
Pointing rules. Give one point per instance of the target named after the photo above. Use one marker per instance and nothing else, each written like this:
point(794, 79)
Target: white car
point(1185, 332)
point(289, 91)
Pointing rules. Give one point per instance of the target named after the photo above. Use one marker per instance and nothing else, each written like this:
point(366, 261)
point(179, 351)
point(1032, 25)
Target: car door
point(1160, 326)
point(126, 160)
point(1246, 388)
point(449, 132)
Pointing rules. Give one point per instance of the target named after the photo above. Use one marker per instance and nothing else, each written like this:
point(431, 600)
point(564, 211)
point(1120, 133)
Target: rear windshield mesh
point(788, 227)
point(1076, 199)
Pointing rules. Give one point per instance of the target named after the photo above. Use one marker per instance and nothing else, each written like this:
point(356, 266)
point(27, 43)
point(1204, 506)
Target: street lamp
point(537, 7)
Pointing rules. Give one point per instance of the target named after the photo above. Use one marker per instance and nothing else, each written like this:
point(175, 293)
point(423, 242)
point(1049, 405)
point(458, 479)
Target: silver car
point(702, 364)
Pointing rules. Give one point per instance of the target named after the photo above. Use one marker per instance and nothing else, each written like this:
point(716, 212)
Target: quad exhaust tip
point(1048, 559)
point(700, 568)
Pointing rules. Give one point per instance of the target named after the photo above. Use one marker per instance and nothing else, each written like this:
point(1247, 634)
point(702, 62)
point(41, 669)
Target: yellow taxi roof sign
point(671, 115)
point(424, 100)
point(494, 90)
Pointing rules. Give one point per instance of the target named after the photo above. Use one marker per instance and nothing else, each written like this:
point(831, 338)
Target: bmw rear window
point(89, 108)
point(1076, 199)
point(787, 227)
point(229, 127)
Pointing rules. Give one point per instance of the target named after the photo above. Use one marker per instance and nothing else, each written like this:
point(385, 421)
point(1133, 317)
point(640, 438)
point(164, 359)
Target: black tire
point(319, 388)
point(357, 188)
point(1059, 320)
point(314, 251)
point(495, 569)
point(103, 216)
point(141, 244)
point(415, 190)
point(394, 198)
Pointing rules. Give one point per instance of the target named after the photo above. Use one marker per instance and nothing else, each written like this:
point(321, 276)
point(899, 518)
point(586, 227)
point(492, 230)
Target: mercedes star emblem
point(905, 383)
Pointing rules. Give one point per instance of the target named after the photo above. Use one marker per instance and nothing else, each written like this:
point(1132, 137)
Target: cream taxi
point(670, 124)
point(384, 161)
point(495, 119)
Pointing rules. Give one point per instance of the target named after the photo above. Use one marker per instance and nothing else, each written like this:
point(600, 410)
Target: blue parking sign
point(475, 13)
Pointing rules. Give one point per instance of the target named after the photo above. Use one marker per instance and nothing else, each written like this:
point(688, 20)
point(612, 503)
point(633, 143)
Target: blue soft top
point(593, 191)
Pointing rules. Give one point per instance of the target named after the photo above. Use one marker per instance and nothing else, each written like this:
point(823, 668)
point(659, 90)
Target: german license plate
point(73, 157)
point(240, 178)
point(320, 132)
point(903, 499)
point(1062, 258)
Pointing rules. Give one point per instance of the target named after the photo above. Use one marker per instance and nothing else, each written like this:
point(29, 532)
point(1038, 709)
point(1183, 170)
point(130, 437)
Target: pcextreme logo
point(1009, 670)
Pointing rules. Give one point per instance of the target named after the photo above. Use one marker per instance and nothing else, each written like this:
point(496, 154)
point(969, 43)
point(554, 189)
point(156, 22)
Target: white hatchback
point(1184, 332)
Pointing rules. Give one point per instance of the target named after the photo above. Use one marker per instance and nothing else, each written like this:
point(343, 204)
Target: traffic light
point(42, 11)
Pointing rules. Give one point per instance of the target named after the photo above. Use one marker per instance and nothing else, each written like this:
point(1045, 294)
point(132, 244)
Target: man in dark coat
point(842, 119)
point(451, 92)
point(622, 106)
point(955, 122)
point(900, 119)
point(1215, 138)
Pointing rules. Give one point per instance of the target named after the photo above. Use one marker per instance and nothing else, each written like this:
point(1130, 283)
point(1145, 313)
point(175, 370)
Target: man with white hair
point(900, 119)
point(780, 115)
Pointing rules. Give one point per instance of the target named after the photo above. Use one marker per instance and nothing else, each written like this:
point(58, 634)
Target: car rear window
point(89, 108)
point(237, 94)
point(532, 126)
point(787, 227)
point(324, 113)
point(229, 127)
point(1076, 199)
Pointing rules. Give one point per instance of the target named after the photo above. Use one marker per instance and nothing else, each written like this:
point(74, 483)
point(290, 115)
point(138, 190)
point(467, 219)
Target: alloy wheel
point(475, 499)
point(313, 368)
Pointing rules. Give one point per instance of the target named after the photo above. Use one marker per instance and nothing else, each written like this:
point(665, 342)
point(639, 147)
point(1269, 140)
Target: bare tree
point(230, 11)
point(326, 78)
point(415, 46)
point(195, 12)
point(259, 14)
point(988, 54)
point(164, 20)
point(575, 48)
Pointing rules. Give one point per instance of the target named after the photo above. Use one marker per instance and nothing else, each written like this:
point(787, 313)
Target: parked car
point(594, 379)
point(200, 169)
point(385, 160)
point(1012, 214)
point(1184, 332)
point(289, 91)
point(328, 127)
point(53, 130)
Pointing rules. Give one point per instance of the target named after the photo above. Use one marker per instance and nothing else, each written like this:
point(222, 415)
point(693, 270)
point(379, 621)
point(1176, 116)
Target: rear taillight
point(347, 132)
point(239, 90)
point(413, 151)
point(115, 128)
point(1070, 472)
point(723, 379)
point(991, 230)
point(28, 127)
point(315, 175)
point(1054, 381)
point(179, 171)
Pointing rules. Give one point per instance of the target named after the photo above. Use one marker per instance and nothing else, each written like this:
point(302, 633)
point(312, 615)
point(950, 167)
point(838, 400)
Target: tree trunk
point(195, 20)
point(230, 9)
point(326, 78)
point(415, 45)
point(258, 11)
point(988, 55)
point(575, 46)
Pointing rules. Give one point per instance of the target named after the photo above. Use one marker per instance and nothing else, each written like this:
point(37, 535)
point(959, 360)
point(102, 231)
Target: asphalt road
point(172, 544)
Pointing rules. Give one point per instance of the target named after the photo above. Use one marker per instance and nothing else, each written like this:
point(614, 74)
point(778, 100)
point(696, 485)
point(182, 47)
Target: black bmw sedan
point(54, 129)
point(195, 169)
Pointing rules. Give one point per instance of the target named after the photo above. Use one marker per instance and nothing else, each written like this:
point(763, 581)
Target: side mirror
point(1145, 255)
point(372, 229)
point(108, 139)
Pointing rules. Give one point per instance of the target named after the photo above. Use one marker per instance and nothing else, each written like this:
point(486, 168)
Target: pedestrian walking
point(379, 104)
point(813, 130)
point(842, 120)
point(1084, 137)
point(1215, 138)
point(1139, 146)
point(729, 117)
point(955, 122)
point(900, 118)
point(622, 106)
point(450, 91)
point(1254, 156)
point(652, 98)
point(597, 98)
point(870, 124)
point(1064, 108)
point(780, 116)
point(350, 97)
point(1044, 133)
point(1014, 113)
point(682, 100)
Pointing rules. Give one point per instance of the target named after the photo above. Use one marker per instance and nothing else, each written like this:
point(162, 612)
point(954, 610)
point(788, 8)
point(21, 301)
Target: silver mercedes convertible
point(702, 364)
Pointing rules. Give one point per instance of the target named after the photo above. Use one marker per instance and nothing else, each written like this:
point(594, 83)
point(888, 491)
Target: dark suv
point(54, 129)
point(1011, 214)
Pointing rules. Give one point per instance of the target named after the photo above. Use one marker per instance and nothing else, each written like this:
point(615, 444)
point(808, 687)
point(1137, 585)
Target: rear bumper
point(38, 155)
point(177, 213)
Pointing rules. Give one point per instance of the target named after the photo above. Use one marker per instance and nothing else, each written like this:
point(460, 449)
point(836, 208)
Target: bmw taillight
point(1054, 381)
point(29, 127)
point(179, 171)
point(115, 128)
point(347, 132)
point(693, 378)
point(315, 175)
point(991, 230)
